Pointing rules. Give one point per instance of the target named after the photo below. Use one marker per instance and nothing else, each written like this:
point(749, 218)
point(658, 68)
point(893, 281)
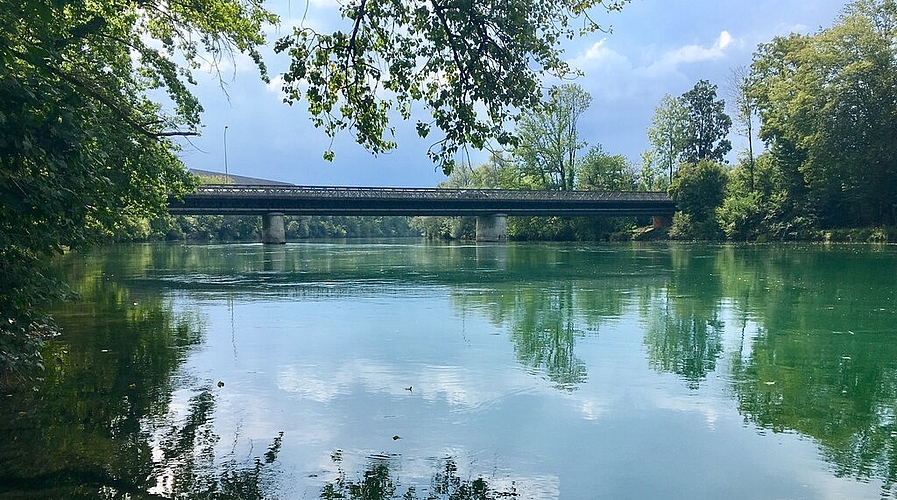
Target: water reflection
point(106, 396)
point(189, 467)
point(798, 340)
point(553, 297)
point(683, 330)
point(823, 358)
point(381, 481)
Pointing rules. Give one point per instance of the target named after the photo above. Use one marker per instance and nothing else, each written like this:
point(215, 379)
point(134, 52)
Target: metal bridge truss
point(235, 199)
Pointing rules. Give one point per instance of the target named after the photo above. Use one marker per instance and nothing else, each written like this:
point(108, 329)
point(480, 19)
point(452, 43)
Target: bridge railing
point(324, 192)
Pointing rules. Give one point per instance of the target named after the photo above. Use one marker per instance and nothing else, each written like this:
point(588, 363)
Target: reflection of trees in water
point(840, 390)
point(823, 361)
point(544, 329)
point(820, 357)
point(379, 481)
point(549, 297)
point(682, 339)
point(107, 388)
point(683, 332)
point(545, 321)
point(190, 469)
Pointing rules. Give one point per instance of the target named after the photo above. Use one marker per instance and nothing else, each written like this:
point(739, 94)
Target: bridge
point(490, 206)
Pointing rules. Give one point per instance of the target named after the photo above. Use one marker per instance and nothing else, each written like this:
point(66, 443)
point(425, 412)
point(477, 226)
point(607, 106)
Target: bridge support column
point(273, 231)
point(661, 221)
point(492, 227)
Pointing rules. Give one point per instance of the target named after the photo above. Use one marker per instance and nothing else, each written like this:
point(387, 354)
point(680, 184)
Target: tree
point(827, 105)
point(82, 145)
point(708, 125)
point(669, 132)
point(600, 171)
point(698, 190)
point(549, 138)
point(473, 65)
point(497, 173)
point(743, 112)
point(650, 175)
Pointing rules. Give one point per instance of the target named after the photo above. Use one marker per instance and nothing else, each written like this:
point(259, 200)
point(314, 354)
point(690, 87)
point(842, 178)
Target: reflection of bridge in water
point(490, 206)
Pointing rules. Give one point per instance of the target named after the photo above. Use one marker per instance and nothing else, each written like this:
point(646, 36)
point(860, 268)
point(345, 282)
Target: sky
point(656, 47)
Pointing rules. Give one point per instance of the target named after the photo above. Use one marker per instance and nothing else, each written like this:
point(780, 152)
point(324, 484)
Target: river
point(404, 369)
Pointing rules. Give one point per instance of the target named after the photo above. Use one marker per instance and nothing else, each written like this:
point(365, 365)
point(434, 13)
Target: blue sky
point(657, 47)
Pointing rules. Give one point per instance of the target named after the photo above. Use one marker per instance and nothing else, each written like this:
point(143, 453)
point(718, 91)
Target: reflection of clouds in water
point(591, 409)
point(688, 404)
point(462, 389)
point(457, 386)
point(828, 487)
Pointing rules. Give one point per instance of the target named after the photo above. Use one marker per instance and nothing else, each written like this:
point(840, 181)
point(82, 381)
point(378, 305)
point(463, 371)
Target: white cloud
point(597, 56)
point(275, 86)
point(690, 54)
point(725, 39)
point(607, 73)
point(615, 77)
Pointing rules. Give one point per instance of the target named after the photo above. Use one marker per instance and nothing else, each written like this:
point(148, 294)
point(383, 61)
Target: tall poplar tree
point(668, 132)
point(549, 139)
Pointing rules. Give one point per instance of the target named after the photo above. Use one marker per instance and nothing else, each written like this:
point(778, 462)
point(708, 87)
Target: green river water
point(403, 369)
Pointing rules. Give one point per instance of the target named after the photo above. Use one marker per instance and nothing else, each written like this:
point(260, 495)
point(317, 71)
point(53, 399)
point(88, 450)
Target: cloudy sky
point(656, 47)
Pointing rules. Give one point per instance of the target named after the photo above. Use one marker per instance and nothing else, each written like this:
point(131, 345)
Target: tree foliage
point(708, 124)
point(600, 171)
point(698, 190)
point(82, 145)
point(473, 65)
point(743, 112)
point(668, 133)
point(828, 104)
point(549, 139)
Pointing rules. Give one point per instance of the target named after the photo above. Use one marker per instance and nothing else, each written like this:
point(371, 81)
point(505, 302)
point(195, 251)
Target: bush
point(698, 189)
point(741, 216)
point(686, 228)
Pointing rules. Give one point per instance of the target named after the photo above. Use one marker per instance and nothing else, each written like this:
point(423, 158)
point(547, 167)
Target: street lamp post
point(226, 176)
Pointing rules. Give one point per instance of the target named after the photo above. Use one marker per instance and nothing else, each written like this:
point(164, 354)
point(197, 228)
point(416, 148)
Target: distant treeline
point(249, 228)
point(202, 228)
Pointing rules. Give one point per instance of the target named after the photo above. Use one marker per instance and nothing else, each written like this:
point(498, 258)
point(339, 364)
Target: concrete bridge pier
point(273, 231)
point(492, 227)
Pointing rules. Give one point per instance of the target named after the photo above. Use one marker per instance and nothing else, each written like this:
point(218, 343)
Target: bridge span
point(490, 206)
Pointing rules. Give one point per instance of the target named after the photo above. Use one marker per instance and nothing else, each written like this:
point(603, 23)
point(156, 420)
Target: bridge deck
point(311, 200)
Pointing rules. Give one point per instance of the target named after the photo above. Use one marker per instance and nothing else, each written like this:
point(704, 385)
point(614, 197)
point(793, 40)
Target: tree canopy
point(83, 146)
point(708, 124)
point(827, 105)
point(548, 139)
point(473, 65)
point(600, 171)
point(668, 132)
